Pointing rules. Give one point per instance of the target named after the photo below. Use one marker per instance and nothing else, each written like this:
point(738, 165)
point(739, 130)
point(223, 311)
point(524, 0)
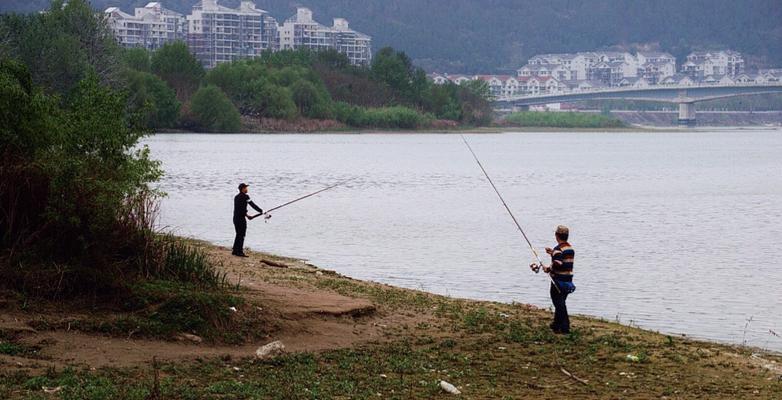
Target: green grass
point(562, 120)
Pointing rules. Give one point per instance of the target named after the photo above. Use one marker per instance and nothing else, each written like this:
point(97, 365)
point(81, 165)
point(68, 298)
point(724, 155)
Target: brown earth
point(303, 317)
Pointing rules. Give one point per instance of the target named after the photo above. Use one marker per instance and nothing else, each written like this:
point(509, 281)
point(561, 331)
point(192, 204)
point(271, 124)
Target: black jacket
point(240, 206)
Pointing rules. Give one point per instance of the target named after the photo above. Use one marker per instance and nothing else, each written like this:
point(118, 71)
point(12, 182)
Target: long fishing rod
point(267, 212)
point(513, 217)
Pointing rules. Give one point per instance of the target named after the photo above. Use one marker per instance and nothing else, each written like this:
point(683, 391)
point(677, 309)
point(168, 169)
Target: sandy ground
point(303, 318)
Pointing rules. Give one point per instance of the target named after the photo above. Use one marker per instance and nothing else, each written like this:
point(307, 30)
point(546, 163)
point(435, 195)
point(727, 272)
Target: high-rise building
point(301, 31)
point(150, 27)
point(219, 34)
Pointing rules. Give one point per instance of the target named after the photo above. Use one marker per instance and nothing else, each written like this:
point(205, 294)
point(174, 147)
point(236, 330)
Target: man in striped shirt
point(561, 271)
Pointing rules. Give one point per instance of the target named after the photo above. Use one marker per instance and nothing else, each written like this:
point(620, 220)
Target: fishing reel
point(266, 218)
point(535, 267)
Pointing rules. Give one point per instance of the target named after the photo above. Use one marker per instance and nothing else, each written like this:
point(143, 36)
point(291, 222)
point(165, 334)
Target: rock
point(633, 358)
point(51, 390)
point(448, 388)
point(187, 337)
point(233, 309)
point(270, 350)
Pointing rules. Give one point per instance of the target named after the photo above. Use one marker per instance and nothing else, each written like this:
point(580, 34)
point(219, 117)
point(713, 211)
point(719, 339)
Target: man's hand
point(546, 269)
point(549, 250)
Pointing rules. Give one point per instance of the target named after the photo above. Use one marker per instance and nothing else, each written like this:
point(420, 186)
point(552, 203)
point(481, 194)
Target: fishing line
point(513, 217)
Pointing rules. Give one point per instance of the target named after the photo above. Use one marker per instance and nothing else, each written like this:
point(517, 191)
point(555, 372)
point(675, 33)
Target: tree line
point(172, 90)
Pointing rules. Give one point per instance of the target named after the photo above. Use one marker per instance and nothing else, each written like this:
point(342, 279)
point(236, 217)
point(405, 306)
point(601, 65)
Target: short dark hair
point(562, 232)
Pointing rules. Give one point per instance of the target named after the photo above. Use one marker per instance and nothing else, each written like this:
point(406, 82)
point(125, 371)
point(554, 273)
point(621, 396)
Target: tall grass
point(396, 117)
point(562, 120)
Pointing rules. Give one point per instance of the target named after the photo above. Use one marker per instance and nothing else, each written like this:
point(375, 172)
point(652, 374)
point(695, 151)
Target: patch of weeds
point(481, 320)
point(11, 349)
point(386, 296)
point(163, 309)
point(448, 344)
point(519, 332)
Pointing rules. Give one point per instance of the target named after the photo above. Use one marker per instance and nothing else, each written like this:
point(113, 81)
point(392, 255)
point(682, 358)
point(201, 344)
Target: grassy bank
point(562, 120)
point(401, 348)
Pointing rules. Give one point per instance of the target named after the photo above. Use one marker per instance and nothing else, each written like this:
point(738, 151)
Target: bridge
point(684, 96)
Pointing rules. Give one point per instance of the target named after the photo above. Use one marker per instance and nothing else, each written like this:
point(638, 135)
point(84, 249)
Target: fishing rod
point(513, 217)
point(267, 212)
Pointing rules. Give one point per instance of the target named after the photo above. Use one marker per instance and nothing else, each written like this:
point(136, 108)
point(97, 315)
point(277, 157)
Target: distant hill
point(499, 35)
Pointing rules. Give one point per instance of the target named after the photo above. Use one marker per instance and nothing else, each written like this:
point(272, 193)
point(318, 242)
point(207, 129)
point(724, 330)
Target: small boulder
point(270, 350)
point(187, 337)
point(448, 388)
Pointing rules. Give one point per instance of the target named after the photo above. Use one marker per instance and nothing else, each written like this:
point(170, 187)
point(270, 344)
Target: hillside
point(492, 35)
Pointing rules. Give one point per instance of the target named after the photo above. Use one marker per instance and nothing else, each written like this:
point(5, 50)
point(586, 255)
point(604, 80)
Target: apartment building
point(149, 27)
point(701, 64)
point(220, 34)
point(609, 68)
point(302, 31)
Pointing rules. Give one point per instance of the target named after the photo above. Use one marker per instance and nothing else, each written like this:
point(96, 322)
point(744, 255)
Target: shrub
point(388, 117)
point(152, 99)
point(212, 111)
point(562, 120)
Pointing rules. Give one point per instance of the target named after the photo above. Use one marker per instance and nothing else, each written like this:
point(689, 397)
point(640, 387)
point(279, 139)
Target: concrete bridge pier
point(687, 114)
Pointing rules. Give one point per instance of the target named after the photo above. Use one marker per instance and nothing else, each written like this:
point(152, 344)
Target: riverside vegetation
point(562, 120)
point(169, 89)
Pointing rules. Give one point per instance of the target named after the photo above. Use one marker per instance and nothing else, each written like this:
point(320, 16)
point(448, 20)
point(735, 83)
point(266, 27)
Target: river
point(673, 231)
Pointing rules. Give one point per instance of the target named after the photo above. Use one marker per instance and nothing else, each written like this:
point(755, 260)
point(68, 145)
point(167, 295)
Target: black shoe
point(240, 254)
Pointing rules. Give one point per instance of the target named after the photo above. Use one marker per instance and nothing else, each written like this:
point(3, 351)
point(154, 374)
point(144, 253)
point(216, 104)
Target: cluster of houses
point(215, 33)
point(586, 71)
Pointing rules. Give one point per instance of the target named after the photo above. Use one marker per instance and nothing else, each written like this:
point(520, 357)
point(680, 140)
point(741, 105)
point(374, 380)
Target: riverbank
point(349, 338)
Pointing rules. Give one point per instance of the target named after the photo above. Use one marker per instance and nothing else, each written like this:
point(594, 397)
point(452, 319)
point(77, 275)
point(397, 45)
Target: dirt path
point(305, 318)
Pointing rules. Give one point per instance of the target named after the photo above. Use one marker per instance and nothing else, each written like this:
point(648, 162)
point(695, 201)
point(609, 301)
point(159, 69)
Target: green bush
point(388, 117)
point(152, 99)
point(562, 120)
point(212, 111)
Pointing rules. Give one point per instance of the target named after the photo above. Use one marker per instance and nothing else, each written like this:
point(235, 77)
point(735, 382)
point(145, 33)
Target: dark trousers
point(561, 319)
point(241, 229)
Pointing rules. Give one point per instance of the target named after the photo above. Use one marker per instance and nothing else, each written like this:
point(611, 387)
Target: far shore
point(489, 130)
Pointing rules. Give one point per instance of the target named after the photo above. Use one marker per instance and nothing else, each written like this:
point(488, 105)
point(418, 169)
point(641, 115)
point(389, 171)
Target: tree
point(63, 45)
point(274, 101)
point(212, 111)
point(176, 65)
point(397, 71)
point(310, 101)
point(137, 58)
point(152, 99)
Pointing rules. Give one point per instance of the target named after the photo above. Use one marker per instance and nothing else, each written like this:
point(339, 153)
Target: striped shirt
point(562, 259)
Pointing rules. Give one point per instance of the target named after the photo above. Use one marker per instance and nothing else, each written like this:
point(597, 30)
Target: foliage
point(310, 101)
point(137, 59)
point(176, 65)
point(397, 117)
point(562, 120)
point(153, 99)
point(61, 46)
point(212, 111)
point(396, 70)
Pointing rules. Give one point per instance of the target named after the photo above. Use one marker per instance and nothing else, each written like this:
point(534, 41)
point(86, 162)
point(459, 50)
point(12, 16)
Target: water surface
point(674, 232)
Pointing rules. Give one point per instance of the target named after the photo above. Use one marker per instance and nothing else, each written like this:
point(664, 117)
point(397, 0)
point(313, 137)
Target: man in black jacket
point(240, 213)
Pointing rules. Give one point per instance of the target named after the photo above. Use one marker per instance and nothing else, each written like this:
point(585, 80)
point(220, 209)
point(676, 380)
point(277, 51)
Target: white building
point(219, 34)
point(149, 27)
point(700, 64)
point(609, 67)
point(302, 31)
